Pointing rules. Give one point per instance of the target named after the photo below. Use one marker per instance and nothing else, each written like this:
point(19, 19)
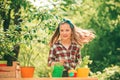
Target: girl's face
point(65, 31)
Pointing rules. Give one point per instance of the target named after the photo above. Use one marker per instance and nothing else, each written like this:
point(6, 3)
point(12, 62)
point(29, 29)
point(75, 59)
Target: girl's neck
point(66, 43)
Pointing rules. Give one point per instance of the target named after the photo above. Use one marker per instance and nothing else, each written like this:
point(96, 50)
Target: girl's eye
point(61, 30)
point(67, 30)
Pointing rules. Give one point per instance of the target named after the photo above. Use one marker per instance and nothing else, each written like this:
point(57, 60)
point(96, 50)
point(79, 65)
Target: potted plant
point(82, 68)
point(27, 60)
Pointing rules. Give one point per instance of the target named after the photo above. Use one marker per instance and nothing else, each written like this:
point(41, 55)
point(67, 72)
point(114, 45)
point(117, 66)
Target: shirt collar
point(59, 42)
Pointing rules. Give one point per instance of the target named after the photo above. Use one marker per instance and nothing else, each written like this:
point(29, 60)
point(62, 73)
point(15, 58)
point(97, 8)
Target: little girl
point(65, 45)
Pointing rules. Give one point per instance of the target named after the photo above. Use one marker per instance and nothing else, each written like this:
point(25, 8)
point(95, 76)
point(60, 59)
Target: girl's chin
point(65, 38)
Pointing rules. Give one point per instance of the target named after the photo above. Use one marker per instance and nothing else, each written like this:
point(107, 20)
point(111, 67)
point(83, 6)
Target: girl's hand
point(53, 63)
point(60, 62)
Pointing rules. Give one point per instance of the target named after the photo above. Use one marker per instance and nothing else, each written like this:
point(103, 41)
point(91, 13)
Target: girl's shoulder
point(56, 44)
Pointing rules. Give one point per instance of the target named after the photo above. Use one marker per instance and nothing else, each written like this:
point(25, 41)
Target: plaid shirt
point(59, 52)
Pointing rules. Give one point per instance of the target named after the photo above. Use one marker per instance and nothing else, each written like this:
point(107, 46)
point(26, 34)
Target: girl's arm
point(51, 57)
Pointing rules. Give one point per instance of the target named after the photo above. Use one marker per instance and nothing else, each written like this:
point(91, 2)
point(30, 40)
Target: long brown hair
point(77, 35)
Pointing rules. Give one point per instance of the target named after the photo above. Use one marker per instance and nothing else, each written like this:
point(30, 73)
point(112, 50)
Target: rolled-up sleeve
point(51, 56)
point(78, 56)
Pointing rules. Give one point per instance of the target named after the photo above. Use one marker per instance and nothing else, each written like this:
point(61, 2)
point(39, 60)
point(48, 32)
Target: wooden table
point(49, 78)
point(11, 72)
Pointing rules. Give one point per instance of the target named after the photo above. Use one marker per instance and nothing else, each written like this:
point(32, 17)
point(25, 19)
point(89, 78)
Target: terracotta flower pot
point(83, 72)
point(27, 72)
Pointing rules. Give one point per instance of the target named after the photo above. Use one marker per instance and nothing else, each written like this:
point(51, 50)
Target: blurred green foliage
point(110, 73)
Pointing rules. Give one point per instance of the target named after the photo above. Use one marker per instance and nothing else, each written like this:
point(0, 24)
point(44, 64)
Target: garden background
point(26, 27)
